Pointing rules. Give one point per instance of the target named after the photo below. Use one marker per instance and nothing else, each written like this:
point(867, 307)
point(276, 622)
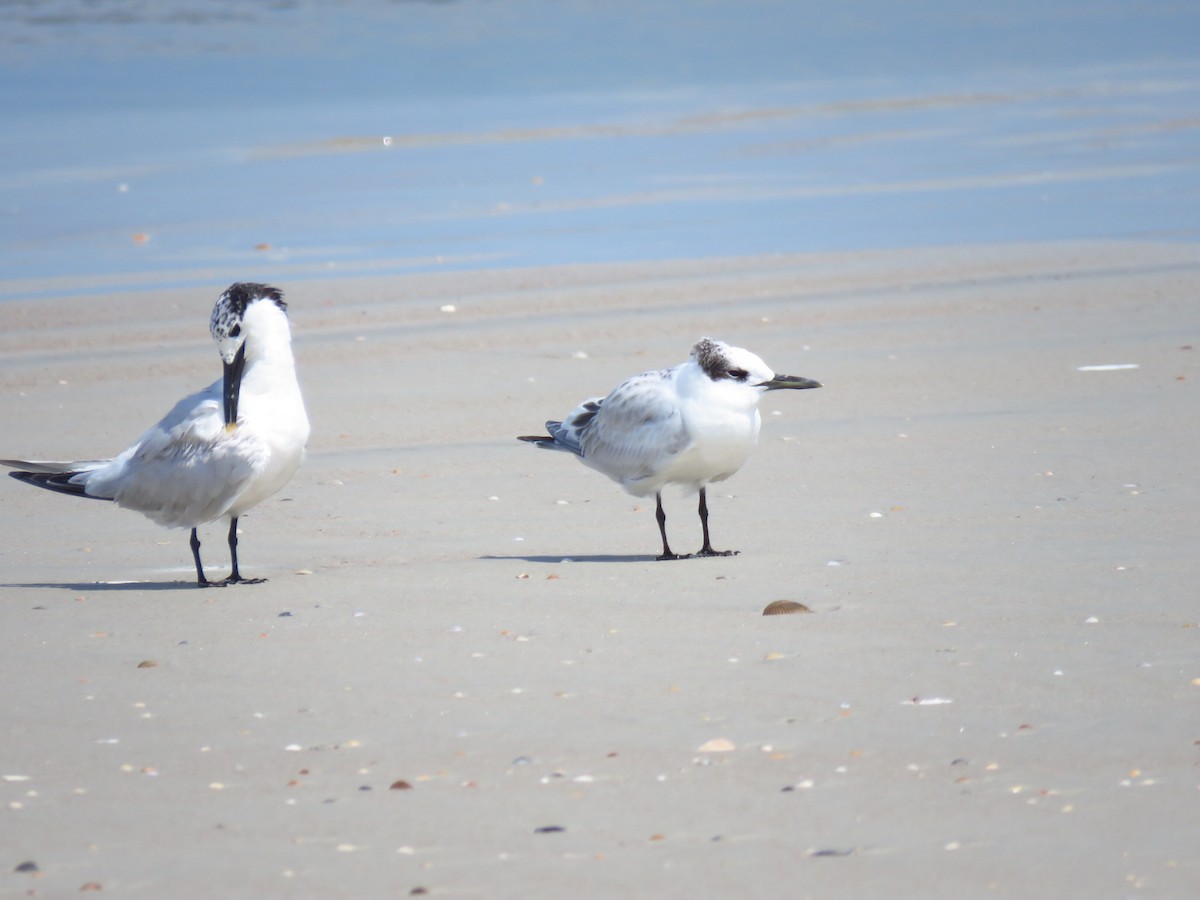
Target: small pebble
point(400, 785)
point(716, 745)
point(27, 866)
point(549, 829)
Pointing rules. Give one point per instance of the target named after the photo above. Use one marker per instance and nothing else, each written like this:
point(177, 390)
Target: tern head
point(740, 371)
point(227, 325)
point(228, 329)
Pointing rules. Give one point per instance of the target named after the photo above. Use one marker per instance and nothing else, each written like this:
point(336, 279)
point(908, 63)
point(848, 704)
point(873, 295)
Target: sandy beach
point(467, 676)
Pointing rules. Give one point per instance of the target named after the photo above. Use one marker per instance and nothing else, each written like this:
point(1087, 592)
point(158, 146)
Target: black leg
point(195, 544)
point(235, 577)
point(662, 528)
point(706, 549)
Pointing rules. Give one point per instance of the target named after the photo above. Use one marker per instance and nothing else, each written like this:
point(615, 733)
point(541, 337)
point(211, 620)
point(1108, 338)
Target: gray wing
point(634, 431)
point(185, 470)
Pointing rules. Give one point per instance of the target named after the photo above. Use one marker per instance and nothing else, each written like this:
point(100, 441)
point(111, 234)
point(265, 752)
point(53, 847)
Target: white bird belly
point(282, 428)
point(720, 444)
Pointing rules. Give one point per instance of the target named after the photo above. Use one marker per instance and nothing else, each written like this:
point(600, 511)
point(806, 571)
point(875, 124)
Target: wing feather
point(635, 430)
point(185, 470)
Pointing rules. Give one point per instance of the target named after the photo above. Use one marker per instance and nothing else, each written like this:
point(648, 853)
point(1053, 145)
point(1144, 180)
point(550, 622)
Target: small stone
point(549, 829)
point(27, 866)
point(400, 785)
point(147, 664)
point(785, 608)
point(716, 745)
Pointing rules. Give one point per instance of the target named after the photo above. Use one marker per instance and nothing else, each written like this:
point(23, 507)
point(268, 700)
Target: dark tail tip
point(55, 481)
point(536, 438)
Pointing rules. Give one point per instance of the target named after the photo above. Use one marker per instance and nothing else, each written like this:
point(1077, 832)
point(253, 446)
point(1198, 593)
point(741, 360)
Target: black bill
point(233, 385)
point(789, 382)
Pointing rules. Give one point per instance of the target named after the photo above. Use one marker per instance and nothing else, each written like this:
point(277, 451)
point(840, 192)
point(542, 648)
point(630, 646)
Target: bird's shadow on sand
point(600, 558)
point(95, 586)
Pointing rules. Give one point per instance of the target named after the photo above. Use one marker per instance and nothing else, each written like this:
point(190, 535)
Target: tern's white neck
point(268, 336)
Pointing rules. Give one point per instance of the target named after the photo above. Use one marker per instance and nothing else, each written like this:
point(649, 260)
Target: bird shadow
point(95, 586)
point(596, 558)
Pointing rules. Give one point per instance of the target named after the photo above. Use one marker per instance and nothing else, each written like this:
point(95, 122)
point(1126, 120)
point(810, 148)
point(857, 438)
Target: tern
point(218, 452)
point(690, 425)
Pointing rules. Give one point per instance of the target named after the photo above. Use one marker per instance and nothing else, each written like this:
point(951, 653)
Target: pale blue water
point(187, 142)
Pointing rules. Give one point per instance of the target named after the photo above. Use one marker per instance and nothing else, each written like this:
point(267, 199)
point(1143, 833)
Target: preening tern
point(218, 452)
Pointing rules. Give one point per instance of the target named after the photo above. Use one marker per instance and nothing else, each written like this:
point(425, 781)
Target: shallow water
point(178, 143)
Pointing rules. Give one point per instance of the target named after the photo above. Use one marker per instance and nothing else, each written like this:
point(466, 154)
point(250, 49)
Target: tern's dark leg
point(195, 545)
point(235, 576)
point(707, 549)
point(662, 528)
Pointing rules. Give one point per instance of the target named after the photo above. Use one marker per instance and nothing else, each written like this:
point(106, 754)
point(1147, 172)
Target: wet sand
point(467, 675)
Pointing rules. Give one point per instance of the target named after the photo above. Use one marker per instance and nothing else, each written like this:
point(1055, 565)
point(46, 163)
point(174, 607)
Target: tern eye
point(738, 374)
point(235, 330)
